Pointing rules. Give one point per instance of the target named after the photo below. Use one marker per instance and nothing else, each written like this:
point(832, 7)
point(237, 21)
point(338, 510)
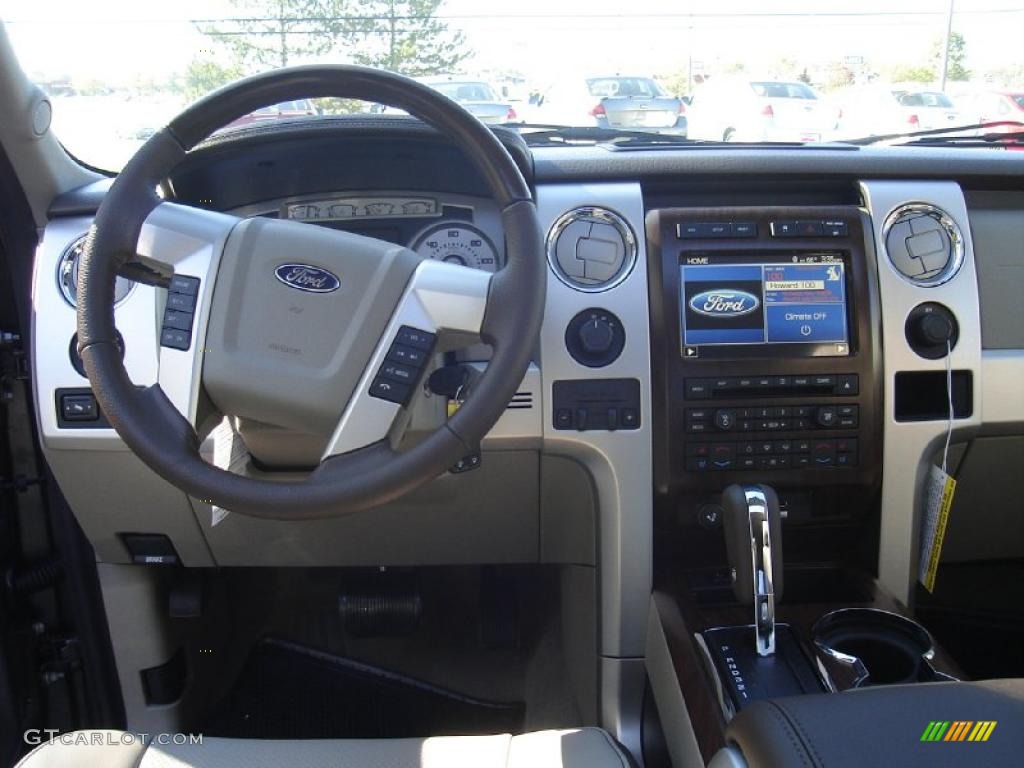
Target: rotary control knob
point(595, 338)
point(931, 329)
point(597, 335)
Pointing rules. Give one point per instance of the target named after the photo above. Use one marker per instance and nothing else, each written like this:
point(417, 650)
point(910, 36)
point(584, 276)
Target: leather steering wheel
point(302, 349)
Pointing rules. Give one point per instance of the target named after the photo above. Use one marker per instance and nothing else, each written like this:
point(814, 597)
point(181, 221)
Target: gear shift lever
point(753, 539)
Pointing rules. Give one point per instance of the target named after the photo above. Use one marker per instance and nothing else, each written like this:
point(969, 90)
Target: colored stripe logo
point(958, 730)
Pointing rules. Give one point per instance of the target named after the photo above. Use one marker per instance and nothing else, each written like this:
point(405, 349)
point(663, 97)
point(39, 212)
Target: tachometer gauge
point(457, 243)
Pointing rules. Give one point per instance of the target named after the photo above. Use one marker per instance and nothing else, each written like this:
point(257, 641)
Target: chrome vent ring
point(923, 243)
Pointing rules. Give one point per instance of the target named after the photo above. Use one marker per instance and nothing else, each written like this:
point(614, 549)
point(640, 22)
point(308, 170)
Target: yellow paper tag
point(453, 406)
point(938, 500)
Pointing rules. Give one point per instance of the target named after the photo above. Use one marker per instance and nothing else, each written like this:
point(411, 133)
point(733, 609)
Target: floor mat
point(288, 691)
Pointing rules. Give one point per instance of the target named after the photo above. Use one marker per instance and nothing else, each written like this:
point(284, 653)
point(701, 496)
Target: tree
point(205, 75)
point(406, 36)
point(274, 33)
point(920, 74)
point(955, 69)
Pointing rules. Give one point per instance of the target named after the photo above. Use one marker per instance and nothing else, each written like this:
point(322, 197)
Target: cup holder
point(859, 647)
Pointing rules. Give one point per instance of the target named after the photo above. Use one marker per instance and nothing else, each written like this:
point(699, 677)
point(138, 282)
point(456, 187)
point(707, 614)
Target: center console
point(763, 329)
point(767, 426)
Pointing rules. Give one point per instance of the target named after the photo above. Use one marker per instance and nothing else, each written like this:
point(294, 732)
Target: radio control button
point(697, 389)
point(846, 445)
point(847, 384)
point(826, 416)
point(725, 419)
point(723, 451)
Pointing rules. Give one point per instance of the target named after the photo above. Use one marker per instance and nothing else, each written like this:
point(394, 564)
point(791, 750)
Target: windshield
point(743, 71)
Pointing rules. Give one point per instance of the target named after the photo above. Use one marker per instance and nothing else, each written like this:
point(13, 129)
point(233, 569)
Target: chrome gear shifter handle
point(753, 538)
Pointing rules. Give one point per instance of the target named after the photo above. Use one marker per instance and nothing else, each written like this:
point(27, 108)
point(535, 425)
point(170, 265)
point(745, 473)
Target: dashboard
point(712, 316)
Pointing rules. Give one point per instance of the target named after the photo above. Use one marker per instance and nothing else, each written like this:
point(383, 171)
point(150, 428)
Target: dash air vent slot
point(924, 244)
point(521, 401)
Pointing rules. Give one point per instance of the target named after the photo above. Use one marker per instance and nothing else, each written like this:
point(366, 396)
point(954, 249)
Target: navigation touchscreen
point(736, 305)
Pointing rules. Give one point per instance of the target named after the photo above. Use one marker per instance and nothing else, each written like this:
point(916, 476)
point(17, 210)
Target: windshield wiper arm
point(865, 140)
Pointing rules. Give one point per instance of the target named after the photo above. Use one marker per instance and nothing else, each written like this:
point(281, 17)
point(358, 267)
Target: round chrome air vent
point(591, 249)
point(923, 244)
point(67, 275)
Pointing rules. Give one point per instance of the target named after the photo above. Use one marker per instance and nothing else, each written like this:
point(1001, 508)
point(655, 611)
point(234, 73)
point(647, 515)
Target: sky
point(117, 41)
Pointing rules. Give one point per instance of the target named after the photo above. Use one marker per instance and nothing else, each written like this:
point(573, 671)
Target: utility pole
point(945, 46)
point(392, 22)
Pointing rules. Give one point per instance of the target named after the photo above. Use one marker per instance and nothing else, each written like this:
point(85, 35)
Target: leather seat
point(579, 748)
point(880, 726)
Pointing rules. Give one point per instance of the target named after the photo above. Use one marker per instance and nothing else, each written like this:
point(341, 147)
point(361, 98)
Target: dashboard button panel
point(596, 404)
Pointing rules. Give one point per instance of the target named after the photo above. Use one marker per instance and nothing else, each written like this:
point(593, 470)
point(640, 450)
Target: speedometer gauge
point(457, 243)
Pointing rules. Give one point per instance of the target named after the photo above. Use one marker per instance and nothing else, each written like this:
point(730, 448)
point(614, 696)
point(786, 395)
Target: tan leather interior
point(577, 748)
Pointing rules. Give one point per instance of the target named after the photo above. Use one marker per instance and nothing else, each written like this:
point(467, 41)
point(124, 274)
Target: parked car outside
point(614, 101)
point(993, 106)
point(878, 109)
point(286, 110)
point(742, 109)
point(476, 96)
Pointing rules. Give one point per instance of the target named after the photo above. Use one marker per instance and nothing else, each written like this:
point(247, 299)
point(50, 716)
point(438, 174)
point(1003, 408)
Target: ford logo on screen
point(724, 303)
point(303, 277)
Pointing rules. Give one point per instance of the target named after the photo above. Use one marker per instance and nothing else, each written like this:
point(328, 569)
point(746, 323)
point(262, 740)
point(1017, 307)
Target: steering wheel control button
point(176, 331)
point(398, 372)
point(407, 355)
point(595, 338)
point(403, 365)
point(79, 408)
point(184, 284)
point(597, 404)
point(391, 391)
point(175, 339)
point(181, 302)
point(180, 320)
point(414, 337)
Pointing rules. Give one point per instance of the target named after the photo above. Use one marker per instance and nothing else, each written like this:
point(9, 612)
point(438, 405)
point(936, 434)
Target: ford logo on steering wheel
point(724, 303)
point(304, 277)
